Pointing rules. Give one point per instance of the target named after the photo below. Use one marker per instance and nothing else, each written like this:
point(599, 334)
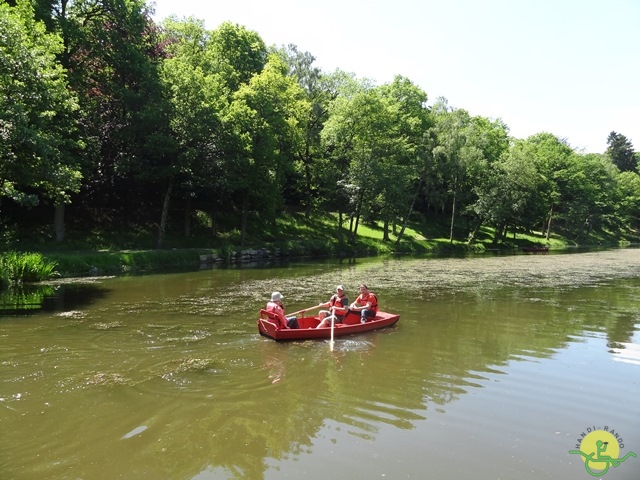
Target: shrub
point(16, 268)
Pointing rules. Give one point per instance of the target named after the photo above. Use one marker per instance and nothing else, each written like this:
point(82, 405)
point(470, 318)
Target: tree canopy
point(103, 109)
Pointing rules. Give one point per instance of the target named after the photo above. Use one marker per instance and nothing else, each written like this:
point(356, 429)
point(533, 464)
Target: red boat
point(307, 330)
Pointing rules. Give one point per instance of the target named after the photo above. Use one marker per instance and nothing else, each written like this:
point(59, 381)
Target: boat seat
point(270, 316)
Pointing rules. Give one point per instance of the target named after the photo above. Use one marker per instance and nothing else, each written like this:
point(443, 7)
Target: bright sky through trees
point(567, 67)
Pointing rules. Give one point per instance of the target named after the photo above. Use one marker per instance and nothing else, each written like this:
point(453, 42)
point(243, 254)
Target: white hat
point(340, 287)
point(276, 296)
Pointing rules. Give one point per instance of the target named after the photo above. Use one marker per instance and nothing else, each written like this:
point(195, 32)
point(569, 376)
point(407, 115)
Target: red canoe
point(307, 330)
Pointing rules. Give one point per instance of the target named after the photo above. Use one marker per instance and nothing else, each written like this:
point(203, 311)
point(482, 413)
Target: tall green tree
point(551, 156)
point(376, 136)
point(465, 147)
point(360, 137)
point(344, 141)
point(620, 150)
point(40, 146)
point(196, 95)
point(589, 195)
point(111, 54)
point(265, 124)
point(628, 206)
point(404, 164)
point(320, 90)
point(508, 195)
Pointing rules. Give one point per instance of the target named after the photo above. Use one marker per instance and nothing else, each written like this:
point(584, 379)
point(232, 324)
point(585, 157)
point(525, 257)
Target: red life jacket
point(335, 301)
point(278, 314)
point(371, 297)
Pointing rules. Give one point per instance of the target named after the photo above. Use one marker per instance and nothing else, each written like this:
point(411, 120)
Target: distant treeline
point(136, 123)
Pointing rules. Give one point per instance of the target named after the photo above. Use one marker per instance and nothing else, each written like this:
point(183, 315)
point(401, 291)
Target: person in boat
point(275, 306)
point(366, 304)
point(338, 304)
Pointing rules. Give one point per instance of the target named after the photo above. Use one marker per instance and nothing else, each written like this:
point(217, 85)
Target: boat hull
point(307, 331)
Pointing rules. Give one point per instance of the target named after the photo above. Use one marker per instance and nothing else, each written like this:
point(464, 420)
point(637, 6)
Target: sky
point(567, 67)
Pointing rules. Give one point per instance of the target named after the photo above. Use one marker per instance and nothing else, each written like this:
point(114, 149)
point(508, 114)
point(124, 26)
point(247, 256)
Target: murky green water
point(496, 370)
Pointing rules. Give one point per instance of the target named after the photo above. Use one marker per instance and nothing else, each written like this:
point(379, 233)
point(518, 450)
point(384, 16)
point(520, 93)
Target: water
point(496, 370)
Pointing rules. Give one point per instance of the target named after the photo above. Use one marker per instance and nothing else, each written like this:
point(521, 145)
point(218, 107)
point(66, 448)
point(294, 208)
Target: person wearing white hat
point(337, 308)
point(275, 306)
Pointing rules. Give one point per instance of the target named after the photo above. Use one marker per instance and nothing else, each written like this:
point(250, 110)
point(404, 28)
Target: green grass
point(25, 267)
point(292, 234)
point(123, 262)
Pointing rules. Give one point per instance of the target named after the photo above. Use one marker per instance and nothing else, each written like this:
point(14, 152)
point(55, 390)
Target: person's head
point(276, 297)
point(363, 288)
point(340, 290)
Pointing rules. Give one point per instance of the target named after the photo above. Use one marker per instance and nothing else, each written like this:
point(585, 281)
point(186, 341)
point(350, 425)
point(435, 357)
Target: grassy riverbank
point(116, 253)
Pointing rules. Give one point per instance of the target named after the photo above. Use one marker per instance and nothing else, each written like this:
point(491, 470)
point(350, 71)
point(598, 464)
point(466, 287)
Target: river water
point(498, 368)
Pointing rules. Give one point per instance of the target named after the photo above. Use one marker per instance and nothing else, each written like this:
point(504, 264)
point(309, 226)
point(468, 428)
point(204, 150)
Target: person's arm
point(354, 306)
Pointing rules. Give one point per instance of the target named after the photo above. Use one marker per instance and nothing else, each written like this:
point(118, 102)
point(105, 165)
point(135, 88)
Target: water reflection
point(627, 352)
point(23, 298)
point(169, 375)
point(49, 297)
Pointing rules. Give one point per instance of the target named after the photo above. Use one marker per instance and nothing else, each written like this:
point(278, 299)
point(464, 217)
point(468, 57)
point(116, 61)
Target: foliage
point(620, 150)
point(38, 137)
point(174, 135)
point(17, 268)
point(74, 264)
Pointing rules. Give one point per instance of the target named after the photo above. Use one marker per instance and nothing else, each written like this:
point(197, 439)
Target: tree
point(344, 139)
point(589, 194)
point(265, 124)
point(111, 54)
point(40, 146)
point(404, 165)
point(236, 54)
point(620, 150)
point(465, 147)
point(508, 196)
point(628, 206)
point(319, 90)
point(551, 156)
point(196, 97)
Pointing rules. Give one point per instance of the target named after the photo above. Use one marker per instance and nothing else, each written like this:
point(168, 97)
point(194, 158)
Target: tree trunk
point(187, 217)
point(406, 219)
point(355, 229)
point(58, 222)
point(549, 223)
point(243, 220)
point(355, 223)
point(213, 226)
point(497, 235)
point(385, 231)
point(453, 211)
point(472, 234)
point(162, 230)
point(307, 177)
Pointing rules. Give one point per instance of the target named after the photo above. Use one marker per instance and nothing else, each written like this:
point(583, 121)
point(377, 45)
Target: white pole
point(331, 342)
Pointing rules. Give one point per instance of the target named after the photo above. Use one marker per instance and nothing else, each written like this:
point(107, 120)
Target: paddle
point(303, 311)
point(331, 342)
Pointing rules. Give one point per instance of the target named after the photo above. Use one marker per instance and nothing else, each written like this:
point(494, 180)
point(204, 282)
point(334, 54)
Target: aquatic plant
point(24, 267)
